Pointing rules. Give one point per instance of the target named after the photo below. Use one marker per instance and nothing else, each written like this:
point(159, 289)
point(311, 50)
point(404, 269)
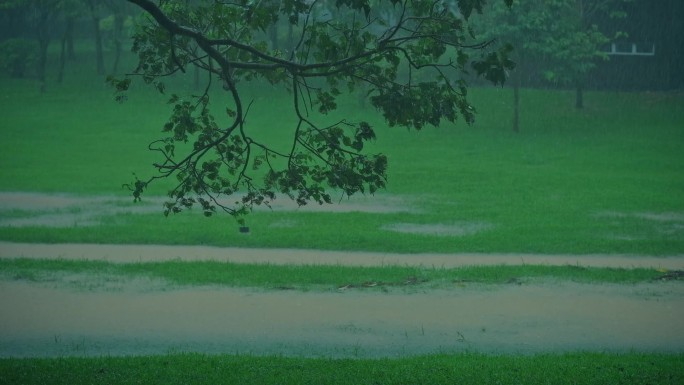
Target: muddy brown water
point(148, 318)
point(38, 320)
point(151, 253)
point(67, 210)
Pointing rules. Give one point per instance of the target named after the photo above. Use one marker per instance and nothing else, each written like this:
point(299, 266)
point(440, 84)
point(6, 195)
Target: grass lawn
point(309, 277)
point(587, 368)
point(607, 179)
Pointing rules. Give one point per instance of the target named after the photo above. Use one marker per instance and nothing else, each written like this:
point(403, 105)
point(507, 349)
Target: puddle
point(40, 321)
point(156, 253)
point(20, 209)
point(458, 229)
point(644, 225)
point(85, 282)
point(650, 216)
point(62, 210)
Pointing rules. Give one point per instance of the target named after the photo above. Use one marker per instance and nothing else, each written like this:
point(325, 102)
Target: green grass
point(367, 232)
point(606, 179)
point(309, 277)
point(570, 182)
point(576, 368)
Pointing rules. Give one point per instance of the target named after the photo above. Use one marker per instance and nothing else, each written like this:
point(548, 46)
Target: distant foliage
point(18, 57)
point(560, 35)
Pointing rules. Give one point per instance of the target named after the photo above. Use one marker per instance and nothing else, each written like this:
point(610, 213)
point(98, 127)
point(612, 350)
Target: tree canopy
point(560, 36)
point(410, 56)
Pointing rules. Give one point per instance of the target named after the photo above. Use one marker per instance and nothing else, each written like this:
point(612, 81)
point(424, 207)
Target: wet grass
point(571, 182)
point(356, 231)
point(309, 277)
point(576, 368)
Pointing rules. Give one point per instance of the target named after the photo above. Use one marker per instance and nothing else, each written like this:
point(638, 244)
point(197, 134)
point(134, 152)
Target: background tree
point(120, 13)
point(18, 56)
point(554, 37)
point(522, 26)
point(575, 43)
point(412, 68)
point(40, 15)
point(94, 9)
point(70, 10)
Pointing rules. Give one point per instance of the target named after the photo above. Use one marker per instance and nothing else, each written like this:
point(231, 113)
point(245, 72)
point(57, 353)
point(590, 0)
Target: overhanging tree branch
point(359, 45)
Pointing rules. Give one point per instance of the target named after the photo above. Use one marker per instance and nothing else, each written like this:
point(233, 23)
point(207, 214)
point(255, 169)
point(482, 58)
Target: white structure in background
point(631, 49)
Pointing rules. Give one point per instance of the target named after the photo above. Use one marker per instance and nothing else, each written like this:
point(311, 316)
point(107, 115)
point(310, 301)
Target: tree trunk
point(98, 46)
point(290, 37)
point(579, 96)
point(516, 107)
point(62, 59)
point(118, 28)
point(516, 78)
point(43, 42)
point(273, 35)
point(98, 38)
point(69, 36)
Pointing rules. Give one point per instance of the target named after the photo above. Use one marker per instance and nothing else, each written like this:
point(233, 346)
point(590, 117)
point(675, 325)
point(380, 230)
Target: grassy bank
point(307, 277)
point(581, 368)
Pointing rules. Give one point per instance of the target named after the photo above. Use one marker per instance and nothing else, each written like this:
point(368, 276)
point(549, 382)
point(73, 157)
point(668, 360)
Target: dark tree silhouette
point(405, 57)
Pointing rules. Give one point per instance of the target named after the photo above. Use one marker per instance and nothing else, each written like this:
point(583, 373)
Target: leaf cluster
point(409, 56)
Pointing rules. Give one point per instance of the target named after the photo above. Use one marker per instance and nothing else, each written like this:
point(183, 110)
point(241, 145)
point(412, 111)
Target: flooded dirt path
point(42, 320)
point(36, 320)
point(151, 253)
